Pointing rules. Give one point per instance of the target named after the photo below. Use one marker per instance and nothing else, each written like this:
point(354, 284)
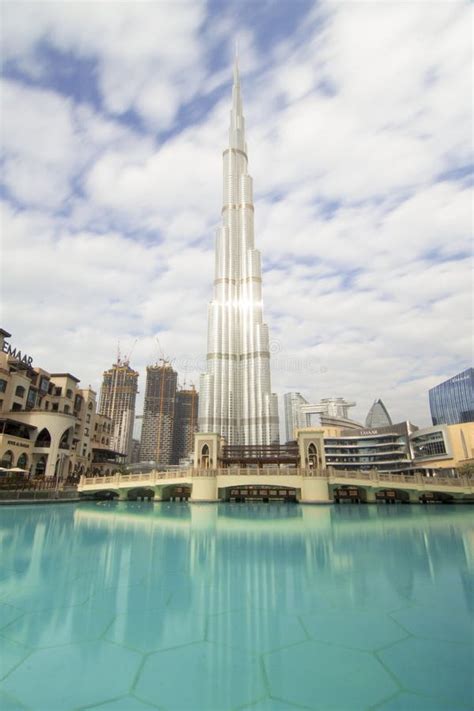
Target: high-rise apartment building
point(235, 399)
point(117, 400)
point(185, 423)
point(378, 416)
point(135, 451)
point(452, 401)
point(158, 414)
point(294, 418)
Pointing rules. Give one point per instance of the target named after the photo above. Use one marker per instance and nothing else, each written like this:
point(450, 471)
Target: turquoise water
point(135, 606)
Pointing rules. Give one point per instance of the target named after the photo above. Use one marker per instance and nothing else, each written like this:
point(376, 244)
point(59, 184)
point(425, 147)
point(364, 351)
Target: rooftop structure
point(332, 412)
point(378, 415)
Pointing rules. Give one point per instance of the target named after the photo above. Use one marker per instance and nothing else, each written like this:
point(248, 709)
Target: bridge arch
point(432, 496)
point(254, 491)
point(141, 493)
point(101, 495)
point(392, 496)
point(176, 492)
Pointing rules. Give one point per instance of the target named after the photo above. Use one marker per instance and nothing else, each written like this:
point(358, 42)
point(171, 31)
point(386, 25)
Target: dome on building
point(378, 416)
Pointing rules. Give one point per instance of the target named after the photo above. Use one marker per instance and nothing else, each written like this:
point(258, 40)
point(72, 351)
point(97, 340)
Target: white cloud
point(148, 53)
point(48, 141)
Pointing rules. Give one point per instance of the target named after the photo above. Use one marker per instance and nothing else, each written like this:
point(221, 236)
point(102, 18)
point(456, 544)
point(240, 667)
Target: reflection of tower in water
point(214, 559)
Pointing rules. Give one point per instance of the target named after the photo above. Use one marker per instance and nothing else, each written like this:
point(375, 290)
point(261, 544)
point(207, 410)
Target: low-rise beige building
point(443, 448)
point(49, 426)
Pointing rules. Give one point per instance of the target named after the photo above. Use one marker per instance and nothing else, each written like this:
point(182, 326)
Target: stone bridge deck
point(313, 487)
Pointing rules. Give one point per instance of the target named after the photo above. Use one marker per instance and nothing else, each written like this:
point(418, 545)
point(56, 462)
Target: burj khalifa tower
point(235, 397)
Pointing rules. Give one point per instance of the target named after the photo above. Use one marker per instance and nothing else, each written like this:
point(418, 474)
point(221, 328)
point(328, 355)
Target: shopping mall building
point(49, 426)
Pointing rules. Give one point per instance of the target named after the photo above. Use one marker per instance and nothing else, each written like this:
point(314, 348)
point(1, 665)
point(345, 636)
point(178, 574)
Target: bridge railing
point(331, 475)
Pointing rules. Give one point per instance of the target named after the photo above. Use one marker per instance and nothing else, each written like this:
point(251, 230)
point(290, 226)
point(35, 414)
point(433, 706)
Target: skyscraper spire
point(237, 121)
point(236, 63)
point(236, 399)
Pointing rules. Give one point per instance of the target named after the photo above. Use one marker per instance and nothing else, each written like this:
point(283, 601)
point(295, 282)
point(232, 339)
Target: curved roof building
point(378, 416)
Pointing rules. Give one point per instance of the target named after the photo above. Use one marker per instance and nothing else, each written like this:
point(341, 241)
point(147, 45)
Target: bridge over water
point(309, 486)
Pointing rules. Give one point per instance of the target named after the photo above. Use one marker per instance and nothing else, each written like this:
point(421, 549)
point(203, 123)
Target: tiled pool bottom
point(130, 606)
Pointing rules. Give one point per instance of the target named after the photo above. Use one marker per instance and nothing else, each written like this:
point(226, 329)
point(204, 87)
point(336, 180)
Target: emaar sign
point(17, 354)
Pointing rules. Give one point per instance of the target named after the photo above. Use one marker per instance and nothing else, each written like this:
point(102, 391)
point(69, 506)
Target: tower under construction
point(185, 423)
point(158, 414)
point(117, 400)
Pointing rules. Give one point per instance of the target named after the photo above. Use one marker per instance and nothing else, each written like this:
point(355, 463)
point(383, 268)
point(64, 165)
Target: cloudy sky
point(114, 119)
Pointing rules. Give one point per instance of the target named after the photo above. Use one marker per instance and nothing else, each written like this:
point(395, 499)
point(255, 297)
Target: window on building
point(22, 462)
point(67, 409)
point(43, 386)
point(429, 445)
point(77, 403)
point(40, 468)
point(69, 394)
point(89, 407)
point(43, 439)
point(16, 406)
point(3, 386)
point(88, 418)
point(64, 442)
point(86, 431)
point(20, 391)
point(7, 459)
point(31, 399)
point(55, 407)
point(58, 391)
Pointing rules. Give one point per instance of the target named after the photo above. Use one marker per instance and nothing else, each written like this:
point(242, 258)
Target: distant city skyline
point(361, 153)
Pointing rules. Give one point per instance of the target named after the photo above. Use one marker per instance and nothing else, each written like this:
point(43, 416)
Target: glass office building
point(452, 402)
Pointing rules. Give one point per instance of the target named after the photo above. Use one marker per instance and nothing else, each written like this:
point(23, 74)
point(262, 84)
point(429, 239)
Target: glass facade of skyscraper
point(452, 402)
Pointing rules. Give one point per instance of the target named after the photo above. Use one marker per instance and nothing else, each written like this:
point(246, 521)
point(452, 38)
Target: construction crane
point(161, 352)
point(126, 358)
